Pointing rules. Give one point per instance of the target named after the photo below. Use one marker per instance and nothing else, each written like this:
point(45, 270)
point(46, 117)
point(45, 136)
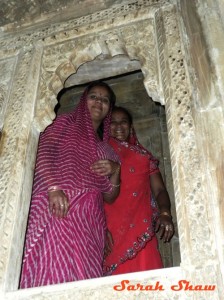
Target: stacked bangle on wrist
point(165, 213)
point(53, 188)
point(115, 185)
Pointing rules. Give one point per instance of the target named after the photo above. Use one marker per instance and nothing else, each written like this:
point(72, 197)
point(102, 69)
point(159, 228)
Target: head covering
point(133, 142)
point(68, 147)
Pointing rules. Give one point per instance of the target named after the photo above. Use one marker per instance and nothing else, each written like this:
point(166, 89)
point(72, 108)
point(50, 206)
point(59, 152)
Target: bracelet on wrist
point(165, 213)
point(53, 188)
point(115, 185)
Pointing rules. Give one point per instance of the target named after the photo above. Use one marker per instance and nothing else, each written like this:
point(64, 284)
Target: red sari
point(131, 218)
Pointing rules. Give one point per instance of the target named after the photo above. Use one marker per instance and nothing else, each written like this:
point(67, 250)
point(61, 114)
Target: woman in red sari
point(76, 170)
point(133, 218)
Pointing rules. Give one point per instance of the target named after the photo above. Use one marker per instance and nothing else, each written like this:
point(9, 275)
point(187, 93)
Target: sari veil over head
point(72, 140)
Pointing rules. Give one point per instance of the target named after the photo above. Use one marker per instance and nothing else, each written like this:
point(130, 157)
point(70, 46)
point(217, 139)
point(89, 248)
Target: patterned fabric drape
point(68, 249)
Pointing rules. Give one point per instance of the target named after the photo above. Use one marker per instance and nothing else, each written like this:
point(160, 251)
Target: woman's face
point(120, 126)
point(98, 103)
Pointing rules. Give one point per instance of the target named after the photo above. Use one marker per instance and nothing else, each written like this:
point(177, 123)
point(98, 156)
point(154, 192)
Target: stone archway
point(104, 46)
point(130, 54)
point(155, 42)
point(149, 119)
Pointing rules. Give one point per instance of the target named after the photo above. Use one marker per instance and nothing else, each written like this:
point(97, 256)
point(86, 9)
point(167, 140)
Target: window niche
point(135, 80)
point(149, 121)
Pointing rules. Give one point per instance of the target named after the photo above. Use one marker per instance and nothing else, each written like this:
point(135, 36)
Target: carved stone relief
point(182, 115)
point(7, 70)
point(17, 160)
point(120, 42)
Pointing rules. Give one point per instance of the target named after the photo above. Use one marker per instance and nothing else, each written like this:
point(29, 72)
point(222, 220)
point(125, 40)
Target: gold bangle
point(115, 185)
point(164, 213)
point(53, 188)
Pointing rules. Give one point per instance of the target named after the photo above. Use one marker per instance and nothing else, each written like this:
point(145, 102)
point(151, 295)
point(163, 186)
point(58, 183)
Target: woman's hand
point(108, 244)
point(165, 228)
point(58, 203)
point(105, 167)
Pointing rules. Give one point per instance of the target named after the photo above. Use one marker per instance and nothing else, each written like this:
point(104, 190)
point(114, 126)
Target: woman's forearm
point(115, 182)
point(163, 202)
point(160, 193)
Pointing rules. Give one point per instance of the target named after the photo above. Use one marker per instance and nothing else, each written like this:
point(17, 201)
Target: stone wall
point(203, 33)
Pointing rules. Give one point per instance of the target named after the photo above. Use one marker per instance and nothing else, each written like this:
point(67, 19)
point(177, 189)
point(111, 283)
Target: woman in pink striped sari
point(76, 170)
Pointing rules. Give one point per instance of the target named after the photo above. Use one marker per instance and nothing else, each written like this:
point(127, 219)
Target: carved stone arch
point(107, 45)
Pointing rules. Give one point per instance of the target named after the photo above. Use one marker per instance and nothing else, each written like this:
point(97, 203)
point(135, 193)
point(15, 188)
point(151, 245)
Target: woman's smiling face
point(98, 103)
point(120, 126)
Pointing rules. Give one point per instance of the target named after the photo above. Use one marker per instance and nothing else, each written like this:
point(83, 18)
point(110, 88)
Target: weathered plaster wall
point(17, 15)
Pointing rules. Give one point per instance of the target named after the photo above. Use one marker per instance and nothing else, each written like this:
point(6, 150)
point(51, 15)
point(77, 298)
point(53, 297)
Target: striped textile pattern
point(71, 248)
point(68, 249)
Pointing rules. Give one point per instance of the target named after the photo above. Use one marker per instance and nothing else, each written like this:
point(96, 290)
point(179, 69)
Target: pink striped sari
point(71, 248)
